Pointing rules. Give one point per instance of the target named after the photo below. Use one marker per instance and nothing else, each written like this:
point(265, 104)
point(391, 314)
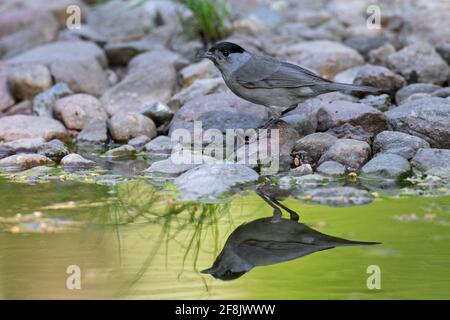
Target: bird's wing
point(269, 73)
point(261, 253)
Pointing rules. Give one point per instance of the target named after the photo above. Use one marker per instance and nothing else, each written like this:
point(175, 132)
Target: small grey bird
point(271, 240)
point(270, 82)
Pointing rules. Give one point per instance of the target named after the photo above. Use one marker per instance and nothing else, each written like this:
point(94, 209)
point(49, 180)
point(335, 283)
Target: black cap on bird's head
point(222, 48)
point(225, 275)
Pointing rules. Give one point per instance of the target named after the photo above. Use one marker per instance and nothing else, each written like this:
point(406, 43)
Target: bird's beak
point(204, 54)
point(208, 271)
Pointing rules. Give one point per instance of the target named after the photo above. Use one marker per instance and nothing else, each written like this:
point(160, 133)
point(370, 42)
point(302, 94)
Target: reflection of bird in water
point(271, 240)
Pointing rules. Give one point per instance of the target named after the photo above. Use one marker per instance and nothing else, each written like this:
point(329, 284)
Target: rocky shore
point(101, 102)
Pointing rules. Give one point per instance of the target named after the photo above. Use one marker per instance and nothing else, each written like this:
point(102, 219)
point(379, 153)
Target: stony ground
point(100, 102)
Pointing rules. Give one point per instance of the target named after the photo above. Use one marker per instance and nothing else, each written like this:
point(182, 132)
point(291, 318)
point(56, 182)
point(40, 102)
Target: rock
point(26, 81)
point(302, 170)
point(54, 149)
point(313, 146)
point(353, 154)
point(379, 56)
point(43, 103)
point(22, 127)
point(160, 147)
point(442, 93)
point(6, 98)
point(77, 110)
point(139, 142)
point(119, 21)
point(74, 161)
point(219, 111)
point(379, 77)
point(339, 196)
point(24, 107)
point(411, 89)
point(5, 151)
point(356, 114)
point(77, 63)
point(431, 161)
point(444, 51)
point(331, 169)
point(128, 125)
point(199, 70)
point(81, 76)
point(308, 109)
point(23, 161)
point(419, 63)
point(259, 153)
point(348, 131)
point(167, 168)
point(40, 29)
point(95, 131)
point(398, 143)
point(200, 87)
point(326, 57)
point(28, 145)
point(425, 118)
point(301, 123)
point(151, 78)
point(158, 112)
point(381, 102)
point(388, 165)
point(210, 180)
point(122, 152)
point(364, 44)
point(120, 53)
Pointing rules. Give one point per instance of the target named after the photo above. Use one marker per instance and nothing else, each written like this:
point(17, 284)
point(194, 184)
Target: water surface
point(136, 241)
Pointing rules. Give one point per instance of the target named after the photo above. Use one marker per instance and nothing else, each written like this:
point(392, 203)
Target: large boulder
point(419, 63)
point(26, 81)
point(78, 110)
point(425, 118)
point(24, 161)
point(219, 111)
point(325, 57)
point(338, 113)
point(399, 143)
point(22, 127)
point(128, 125)
point(313, 146)
point(151, 77)
point(432, 161)
point(95, 132)
point(353, 154)
point(389, 166)
point(77, 63)
point(211, 180)
point(404, 93)
point(379, 77)
point(33, 29)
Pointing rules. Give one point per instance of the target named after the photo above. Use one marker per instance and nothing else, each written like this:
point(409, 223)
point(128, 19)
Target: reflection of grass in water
point(138, 203)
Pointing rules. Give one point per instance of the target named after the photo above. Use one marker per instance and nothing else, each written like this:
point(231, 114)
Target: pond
point(135, 240)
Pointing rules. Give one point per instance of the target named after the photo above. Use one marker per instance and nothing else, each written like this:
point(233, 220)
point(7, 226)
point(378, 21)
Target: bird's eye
point(225, 53)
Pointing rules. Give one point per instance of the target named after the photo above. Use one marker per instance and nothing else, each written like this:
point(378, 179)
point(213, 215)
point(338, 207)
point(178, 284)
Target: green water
point(136, 241)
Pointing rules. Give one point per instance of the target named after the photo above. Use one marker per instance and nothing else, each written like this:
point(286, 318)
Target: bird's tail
point(352, 88)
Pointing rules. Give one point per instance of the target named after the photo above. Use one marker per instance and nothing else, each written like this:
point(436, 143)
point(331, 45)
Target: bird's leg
point(276, 211)
point(289, 109)
point(294, 215)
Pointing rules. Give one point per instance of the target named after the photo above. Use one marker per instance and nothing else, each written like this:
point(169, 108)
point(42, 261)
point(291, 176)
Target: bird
point(270, 82)
point(271, 240)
